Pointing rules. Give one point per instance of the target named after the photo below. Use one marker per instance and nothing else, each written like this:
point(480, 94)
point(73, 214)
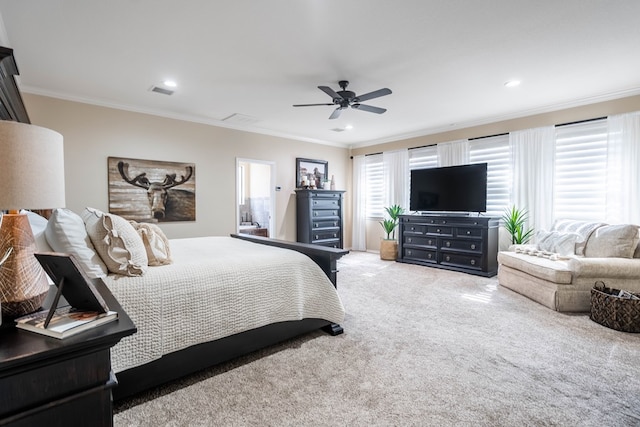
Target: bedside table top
point(19, 348)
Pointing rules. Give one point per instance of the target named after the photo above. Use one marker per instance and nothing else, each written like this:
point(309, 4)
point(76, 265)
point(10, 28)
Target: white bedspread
point(216, 287)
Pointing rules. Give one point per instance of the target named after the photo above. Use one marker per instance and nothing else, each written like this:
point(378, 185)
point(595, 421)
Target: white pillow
point(117, 242)
point(65, 232)
point(155, 243)
point(557, 242)
point(38, 225)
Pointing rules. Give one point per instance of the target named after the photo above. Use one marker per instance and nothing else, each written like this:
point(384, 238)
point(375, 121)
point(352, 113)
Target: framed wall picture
point(151, 190)
point(311, 173)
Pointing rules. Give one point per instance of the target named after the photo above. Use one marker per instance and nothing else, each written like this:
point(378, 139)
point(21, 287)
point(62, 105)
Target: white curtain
point(453, 153)
point(395, 166)
point(359, 226)
point(532, 162)
point(623, 162)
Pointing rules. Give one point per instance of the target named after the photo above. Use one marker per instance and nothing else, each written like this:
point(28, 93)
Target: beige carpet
point(422, 347)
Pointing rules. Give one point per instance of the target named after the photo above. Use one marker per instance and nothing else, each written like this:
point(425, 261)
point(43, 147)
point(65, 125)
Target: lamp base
point(23, 282)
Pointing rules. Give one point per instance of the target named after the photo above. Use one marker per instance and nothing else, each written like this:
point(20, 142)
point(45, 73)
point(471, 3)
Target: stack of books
point(64, 322)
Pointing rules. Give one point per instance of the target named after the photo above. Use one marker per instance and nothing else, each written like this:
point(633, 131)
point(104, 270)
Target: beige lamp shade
point(31, 177)
point(31, 167)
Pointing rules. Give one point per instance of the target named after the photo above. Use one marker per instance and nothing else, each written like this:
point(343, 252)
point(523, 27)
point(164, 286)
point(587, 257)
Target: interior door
point(255, 191)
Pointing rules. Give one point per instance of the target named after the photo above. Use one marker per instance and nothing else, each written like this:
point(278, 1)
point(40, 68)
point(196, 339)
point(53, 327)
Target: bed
point(220, 297)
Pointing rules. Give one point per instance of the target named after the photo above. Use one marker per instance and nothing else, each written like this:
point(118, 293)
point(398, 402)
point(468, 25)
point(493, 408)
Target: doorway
point(255, 193)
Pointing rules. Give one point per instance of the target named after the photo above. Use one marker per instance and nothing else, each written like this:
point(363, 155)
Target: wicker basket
point(612, 311)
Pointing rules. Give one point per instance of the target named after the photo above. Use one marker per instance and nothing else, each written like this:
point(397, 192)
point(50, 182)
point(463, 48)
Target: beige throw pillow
point(117, 242)
point(155, 243)
point(613, 241)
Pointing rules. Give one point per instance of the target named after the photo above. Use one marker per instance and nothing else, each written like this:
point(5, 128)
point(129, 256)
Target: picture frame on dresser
point(316, 172)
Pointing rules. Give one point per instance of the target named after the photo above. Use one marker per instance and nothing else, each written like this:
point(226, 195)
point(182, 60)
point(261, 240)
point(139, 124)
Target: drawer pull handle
point(409, 253)
point(468, 232)
point(473, 246)
point(409, 240)
point(429, 256)
point(447, 258)
point(335, 235)
point(448, 244)
point(438, 230)
point(473, 262)
point(430, 242)
point(317, 237)
point(315, 225)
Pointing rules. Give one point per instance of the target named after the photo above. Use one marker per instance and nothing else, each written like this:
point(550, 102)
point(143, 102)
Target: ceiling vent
point(240, 119)
point(161, 90)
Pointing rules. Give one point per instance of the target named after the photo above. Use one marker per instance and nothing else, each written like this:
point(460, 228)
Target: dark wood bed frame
point(195, 358)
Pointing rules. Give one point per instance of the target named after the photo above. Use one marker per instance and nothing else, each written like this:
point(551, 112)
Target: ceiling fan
point(345, 98)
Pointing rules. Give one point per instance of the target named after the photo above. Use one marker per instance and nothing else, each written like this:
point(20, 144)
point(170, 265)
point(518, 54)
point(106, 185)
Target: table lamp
point(31, 177)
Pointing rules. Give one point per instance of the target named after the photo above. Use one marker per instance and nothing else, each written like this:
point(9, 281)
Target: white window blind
point(375, 186)
point(495, 152)
point(423, 157)
point(581, 171)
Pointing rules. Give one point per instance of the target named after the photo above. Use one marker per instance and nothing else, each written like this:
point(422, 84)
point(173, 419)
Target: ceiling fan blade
point(336, 113)
point(369, 108)
point(310, 105)
point(375, 94)
point(333, 94)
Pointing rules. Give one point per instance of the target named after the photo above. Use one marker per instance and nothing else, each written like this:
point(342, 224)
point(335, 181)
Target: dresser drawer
point(458, 260)
point(324, 235)
point(461, 245)
point(320, 223)
point(415, 228)
point(325, 195)
point(328, 243)
point(325, 203)
point(420, 255)
point(326, 213)
point(439, 231)
point(471, 232)
point(410, 239)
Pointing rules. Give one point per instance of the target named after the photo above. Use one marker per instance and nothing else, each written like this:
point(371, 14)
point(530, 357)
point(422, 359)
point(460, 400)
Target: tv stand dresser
point(468, 244)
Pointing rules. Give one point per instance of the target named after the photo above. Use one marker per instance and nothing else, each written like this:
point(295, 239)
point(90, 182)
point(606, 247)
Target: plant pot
point(388, 249)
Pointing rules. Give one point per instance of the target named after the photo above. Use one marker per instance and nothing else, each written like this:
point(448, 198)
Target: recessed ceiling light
point(348, 127)
point(512, 83)
point(169, 83)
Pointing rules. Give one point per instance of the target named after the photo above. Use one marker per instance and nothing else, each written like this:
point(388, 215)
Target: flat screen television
point(449, 189)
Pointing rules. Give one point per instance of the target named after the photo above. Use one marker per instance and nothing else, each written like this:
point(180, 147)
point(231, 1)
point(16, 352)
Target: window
point(581, 171)
point(375, 186)
point(495, 152)
point(423, 157)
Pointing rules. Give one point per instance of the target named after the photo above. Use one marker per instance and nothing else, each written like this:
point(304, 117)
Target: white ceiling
point(446, 61)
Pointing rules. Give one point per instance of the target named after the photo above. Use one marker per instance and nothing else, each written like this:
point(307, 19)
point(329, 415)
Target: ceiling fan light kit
point(345, 98)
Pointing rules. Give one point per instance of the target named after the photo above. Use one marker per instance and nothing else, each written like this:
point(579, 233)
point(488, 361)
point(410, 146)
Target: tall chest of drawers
point(461, 243)
point(320, 217)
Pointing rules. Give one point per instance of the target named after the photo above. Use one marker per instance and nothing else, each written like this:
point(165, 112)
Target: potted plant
point(389, 245)
point(514, 220)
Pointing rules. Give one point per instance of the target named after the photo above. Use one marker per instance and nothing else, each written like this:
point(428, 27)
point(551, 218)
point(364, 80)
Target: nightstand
point(52, 382)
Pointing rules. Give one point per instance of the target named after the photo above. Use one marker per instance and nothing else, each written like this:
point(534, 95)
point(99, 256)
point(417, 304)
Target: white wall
point(92, 134)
